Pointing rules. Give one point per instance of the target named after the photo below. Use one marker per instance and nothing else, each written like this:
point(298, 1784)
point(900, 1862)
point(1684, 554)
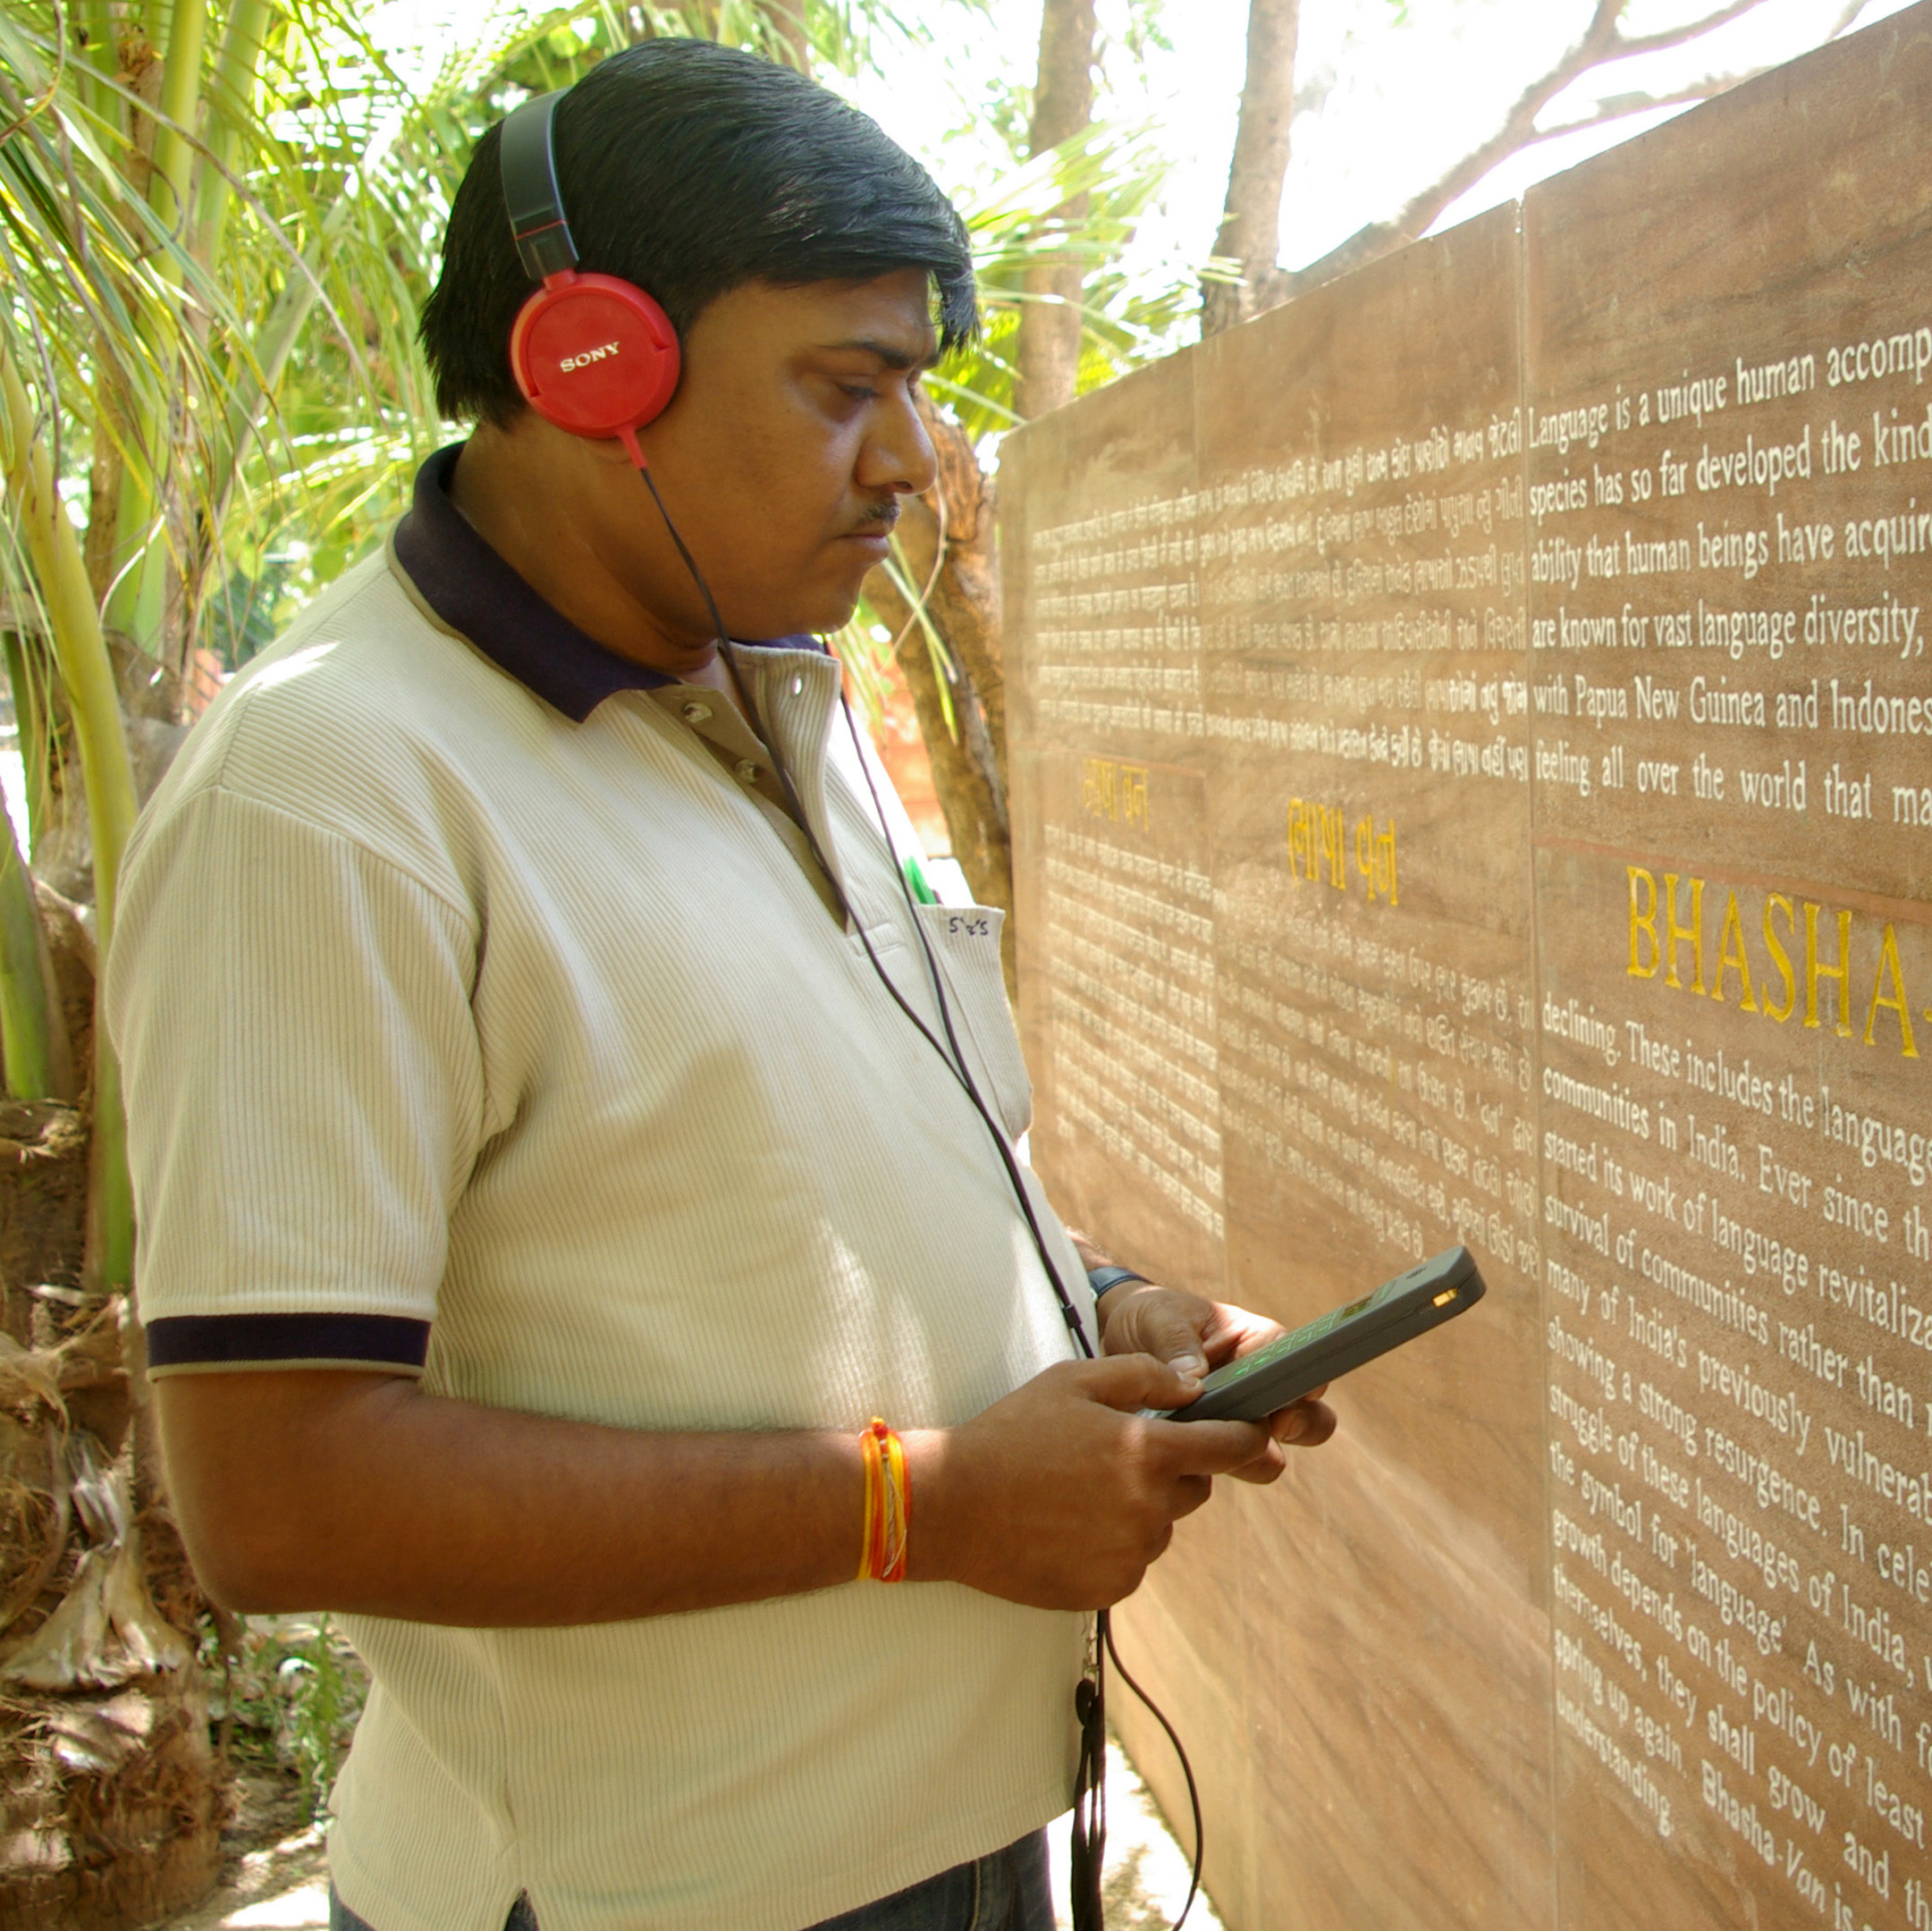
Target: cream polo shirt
point(477, 1017)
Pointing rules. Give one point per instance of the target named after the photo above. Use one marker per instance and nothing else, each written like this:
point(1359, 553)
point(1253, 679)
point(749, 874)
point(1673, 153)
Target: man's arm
point(304, 1489)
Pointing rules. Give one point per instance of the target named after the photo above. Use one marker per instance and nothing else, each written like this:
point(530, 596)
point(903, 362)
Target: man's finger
point(1192, 1492)
point(1266, 1468)
point(1134, 1381)
point(1211, 1447)
point(1307, 1424)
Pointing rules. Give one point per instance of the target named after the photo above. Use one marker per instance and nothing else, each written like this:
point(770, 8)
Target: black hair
point(692, 169)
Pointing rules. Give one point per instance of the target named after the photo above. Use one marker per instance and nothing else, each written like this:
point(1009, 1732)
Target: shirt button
point(696, 712)
point(747, 771)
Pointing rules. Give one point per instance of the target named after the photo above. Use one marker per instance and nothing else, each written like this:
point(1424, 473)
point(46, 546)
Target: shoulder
point(365, 722)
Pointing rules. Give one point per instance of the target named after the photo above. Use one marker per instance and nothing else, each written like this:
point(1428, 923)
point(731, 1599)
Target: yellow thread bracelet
point(888, 1506)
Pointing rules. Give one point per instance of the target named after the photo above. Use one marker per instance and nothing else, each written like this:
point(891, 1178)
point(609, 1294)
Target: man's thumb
point(1137, 1380)
point(1161, 1329)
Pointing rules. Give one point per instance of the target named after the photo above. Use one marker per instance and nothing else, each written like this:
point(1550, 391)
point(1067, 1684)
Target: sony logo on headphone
point(588, 356)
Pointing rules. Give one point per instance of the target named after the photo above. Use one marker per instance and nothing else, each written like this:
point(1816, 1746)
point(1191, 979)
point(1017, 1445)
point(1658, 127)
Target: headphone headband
point(527, 154)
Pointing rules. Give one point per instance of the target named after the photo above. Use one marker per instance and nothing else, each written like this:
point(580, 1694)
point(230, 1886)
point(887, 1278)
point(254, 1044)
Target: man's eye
point(859, 391)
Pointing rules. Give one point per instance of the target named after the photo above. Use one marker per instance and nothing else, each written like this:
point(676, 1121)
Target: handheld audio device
point(1295, 1364)
point(598, 357)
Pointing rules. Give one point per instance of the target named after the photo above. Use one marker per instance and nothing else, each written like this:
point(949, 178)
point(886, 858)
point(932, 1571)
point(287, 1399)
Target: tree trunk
point(957, 569)
point(1046, 356)
point(946, 539)
point(1250, 222)
point(787, 18)
point(111, 1799)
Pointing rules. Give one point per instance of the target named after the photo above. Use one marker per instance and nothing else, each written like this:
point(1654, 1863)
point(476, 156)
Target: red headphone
point(592, 353)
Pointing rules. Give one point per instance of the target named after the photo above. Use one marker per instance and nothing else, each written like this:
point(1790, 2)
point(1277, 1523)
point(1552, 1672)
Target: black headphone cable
point(955, 1064)
point(1090, 1786)
point(1089, 1836)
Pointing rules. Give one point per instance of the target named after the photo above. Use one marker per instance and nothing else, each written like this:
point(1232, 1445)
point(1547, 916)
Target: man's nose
point(897, 455)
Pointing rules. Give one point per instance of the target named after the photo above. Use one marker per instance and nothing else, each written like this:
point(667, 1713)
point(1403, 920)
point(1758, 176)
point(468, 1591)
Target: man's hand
point(1193, 1336)
point(1061, 1495)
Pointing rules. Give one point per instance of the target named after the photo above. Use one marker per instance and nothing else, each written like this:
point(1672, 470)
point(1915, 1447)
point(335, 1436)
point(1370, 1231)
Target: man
point(541, 1186)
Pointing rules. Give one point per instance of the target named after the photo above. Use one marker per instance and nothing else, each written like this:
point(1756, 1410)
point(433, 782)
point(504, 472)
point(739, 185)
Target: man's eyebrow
point(893, 356)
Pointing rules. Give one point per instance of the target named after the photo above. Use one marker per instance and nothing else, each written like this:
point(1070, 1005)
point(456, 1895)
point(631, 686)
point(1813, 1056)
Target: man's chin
point(819, 604)
point(820, 612)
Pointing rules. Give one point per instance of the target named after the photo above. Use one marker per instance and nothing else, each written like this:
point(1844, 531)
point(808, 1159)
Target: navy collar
point(480, 597)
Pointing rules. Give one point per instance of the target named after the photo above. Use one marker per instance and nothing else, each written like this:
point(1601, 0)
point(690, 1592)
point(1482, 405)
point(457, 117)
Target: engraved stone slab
point(1730, 487)
point(1361, 622)
point(1473, 780)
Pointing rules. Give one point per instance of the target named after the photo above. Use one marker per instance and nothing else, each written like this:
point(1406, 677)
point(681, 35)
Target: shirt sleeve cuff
point(180, 1343)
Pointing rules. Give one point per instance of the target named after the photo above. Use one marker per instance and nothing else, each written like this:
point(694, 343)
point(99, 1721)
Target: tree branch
point(1670, 37)
point(1599, 44)
point(1519, 124)
point(1625, 106)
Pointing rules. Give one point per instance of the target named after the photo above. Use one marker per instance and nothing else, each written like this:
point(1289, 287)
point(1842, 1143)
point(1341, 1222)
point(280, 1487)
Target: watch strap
point(1100, 1278)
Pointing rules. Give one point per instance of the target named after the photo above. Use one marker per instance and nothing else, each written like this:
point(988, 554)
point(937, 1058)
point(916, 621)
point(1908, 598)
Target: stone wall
point(1472, 741)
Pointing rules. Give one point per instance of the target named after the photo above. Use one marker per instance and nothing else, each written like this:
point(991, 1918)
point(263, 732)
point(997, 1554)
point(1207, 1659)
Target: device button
point(696, 712)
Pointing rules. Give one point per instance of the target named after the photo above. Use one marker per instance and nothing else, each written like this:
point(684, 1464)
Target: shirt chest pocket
point(965, 946)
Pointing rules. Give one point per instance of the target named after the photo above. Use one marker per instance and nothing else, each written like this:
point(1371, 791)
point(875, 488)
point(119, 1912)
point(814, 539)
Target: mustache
point(880, 520)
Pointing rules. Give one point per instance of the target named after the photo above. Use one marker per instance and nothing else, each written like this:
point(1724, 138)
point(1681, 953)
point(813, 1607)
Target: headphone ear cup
point(595, 355)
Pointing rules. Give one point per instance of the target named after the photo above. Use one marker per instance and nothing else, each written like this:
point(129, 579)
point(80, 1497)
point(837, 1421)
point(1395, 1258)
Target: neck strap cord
point(1089, 1840)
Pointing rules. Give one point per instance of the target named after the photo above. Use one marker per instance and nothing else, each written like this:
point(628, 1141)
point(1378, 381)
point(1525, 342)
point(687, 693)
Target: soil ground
point(276, 1875)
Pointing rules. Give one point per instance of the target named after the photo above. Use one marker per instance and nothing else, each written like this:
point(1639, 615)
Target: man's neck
point(524, 494)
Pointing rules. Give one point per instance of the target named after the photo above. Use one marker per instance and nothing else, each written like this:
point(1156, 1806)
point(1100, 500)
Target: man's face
point(782, 458)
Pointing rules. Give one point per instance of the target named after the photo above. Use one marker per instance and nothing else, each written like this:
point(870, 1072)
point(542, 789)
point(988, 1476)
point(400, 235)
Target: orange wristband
point(888, 1506)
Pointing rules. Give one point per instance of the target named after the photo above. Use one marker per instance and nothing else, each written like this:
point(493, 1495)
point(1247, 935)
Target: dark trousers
point(1008, 1890)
